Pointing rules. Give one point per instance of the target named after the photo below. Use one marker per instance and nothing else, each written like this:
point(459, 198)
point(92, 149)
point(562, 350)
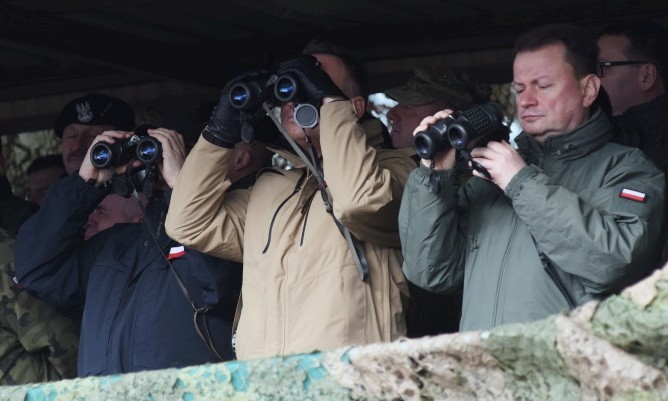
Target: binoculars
point(461, 130)
point(139, 146)
point(250, 92)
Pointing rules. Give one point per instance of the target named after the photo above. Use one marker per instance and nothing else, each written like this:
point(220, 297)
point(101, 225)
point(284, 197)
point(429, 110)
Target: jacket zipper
point(501, 275)
point(552, 272)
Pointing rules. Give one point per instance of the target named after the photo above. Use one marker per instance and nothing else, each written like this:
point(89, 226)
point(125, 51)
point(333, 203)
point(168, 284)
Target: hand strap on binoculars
point(204, 334)
point(312, 164)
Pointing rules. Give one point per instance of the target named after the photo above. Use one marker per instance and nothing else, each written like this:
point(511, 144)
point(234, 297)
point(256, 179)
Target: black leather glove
point(224, 127)
point(313, 84)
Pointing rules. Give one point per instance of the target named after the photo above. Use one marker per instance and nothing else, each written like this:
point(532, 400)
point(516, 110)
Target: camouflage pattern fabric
point(36, 343)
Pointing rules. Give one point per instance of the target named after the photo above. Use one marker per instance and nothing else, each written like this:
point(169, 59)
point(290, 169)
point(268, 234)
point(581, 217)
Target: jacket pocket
point(327, 311)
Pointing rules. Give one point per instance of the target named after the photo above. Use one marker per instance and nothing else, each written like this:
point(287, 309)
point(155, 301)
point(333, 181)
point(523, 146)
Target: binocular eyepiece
point(139, 146)
point(460, 130)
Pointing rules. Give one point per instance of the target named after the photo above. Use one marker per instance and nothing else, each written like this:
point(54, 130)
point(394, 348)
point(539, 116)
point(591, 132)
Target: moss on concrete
point(642, 331)
point(534, 368)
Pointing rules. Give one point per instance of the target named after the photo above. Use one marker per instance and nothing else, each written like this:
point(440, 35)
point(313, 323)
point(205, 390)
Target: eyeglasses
point(602, 65)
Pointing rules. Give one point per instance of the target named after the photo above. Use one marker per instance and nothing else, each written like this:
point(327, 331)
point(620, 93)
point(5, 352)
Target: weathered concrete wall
point(614, 350)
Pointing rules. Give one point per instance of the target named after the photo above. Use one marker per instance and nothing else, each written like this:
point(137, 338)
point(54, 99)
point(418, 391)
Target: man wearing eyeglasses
point(633, 57)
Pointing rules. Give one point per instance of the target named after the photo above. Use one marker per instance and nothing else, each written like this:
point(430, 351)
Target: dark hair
point(648, 41)
point(581, 49)
point(355, 68)
point(44, 162)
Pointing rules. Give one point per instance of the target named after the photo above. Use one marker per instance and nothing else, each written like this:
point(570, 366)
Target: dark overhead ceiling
point(58, 47)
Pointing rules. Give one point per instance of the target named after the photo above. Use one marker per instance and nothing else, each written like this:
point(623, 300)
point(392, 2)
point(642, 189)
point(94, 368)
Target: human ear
point(360, 106)
point(590, 85)
point(648, 76)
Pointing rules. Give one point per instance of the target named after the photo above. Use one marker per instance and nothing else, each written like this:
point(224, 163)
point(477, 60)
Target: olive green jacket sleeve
point(202, 213)
point(366, 183)
point(432, 231)
point(606, 240)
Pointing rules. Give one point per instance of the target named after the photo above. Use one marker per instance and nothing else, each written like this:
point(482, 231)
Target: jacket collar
point(656, 107)
point(591, 135)
point(644, 125)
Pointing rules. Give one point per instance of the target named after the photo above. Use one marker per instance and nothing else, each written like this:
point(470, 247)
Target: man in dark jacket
point(567, 218)
point(137, 311)
point(633, 60)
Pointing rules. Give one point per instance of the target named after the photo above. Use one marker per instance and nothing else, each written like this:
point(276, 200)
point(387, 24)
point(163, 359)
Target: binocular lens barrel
point(433, 140)
point(458, 137)
point(149, 150)
point(285, 88)
point(101, 155)
point(239, 95)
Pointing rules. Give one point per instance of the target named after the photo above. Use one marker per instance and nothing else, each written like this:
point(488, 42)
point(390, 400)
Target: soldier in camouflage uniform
point(36, 343)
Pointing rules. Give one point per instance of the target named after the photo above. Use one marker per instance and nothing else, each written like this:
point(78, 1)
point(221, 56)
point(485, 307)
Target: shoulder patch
point(630, 194)
point(637, 199)
point(176, 252)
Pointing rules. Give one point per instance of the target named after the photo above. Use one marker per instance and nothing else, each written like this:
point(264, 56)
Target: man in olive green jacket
point(301, 289)
point(567, 218)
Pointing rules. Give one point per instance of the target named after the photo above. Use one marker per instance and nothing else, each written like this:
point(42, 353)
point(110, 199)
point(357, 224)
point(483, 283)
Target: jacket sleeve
point(607, 241)
point(432, 232)
point(52, 259)
point(366, 184)
point(41, 331)
point(202, 214)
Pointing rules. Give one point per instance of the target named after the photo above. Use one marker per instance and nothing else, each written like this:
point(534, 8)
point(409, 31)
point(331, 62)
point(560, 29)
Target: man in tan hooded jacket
point(302, 290)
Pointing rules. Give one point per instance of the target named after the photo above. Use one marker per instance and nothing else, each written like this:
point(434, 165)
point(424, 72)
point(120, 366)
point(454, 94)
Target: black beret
point(96, 109)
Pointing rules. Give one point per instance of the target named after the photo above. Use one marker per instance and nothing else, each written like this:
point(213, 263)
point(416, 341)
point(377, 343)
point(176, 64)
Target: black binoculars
point(461, 130)
point(282, 86)
point(139, 146)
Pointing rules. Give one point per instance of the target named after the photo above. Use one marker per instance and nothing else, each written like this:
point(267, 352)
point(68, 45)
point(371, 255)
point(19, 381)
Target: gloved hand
point(313, 83)
point(224, 127)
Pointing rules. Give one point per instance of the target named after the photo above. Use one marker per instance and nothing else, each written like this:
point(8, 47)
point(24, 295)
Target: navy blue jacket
point(135, 316)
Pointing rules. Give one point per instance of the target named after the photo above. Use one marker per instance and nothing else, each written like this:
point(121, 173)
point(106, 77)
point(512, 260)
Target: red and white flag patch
point(633, 195)
point(176, 252)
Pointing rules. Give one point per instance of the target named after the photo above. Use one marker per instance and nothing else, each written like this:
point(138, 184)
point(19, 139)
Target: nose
point(527, 98)
point(92, 219)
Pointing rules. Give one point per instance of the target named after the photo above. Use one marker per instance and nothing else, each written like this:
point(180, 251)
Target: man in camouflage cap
point(430, 90)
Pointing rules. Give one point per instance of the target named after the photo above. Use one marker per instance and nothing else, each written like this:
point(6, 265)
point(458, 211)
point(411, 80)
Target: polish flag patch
point(633, 195)
point(16, 282)
point(176, 252)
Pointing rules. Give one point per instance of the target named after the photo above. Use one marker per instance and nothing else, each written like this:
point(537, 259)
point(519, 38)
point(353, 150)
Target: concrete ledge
point(613, 350)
